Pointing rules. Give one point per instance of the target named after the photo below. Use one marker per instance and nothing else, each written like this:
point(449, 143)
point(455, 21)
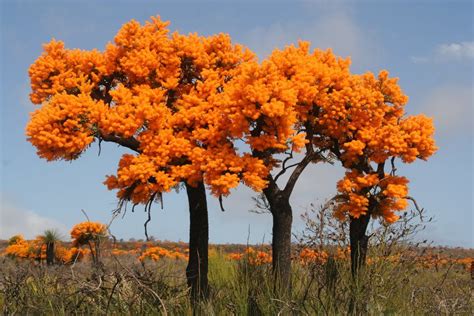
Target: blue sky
point(428, 44)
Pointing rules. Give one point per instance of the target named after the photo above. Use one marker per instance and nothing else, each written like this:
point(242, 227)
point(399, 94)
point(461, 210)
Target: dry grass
point(125, 286)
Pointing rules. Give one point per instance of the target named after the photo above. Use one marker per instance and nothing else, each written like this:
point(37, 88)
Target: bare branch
point(420, 210)
point(148, 209)
point(221, 204)
point(284, 169)
point(392, 161)
point(85, 214)
point(283, 165)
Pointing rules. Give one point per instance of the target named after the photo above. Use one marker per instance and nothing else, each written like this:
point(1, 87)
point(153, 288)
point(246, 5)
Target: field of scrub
point(149, 278)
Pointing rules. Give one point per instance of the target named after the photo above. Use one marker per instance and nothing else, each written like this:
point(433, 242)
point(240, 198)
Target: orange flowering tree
point(90, 234)
point(298, 100)
point(360, 121)
point(273, 107)
point(155, 94)
point(371, 142)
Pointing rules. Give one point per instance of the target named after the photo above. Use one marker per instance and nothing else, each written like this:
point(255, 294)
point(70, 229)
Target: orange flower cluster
point(85, 232)
point(437, 261)
point(468, 263)
point(123, 252)
point(390, 193)
point(18, 247)
point(157, 253)
point(252, 256)
point(235, 256)
point(308, 256)
point(36, 249)
point(70, 255)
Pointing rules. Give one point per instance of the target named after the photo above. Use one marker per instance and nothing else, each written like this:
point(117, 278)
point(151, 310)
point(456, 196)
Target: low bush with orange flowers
point(158, 253)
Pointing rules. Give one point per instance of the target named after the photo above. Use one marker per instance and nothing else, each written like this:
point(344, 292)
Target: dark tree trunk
point(281, 238)
point(196, 271)
point(50, 253)
point(359, 242)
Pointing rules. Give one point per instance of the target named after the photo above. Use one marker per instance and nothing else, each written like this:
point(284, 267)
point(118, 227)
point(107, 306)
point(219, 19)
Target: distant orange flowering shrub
point(70, 255)
point(21, 248)
point(252, 256)
point(468, 263)
point(157, 253)
point(18, 247)
point(85, 232)
point(235, 256)
point(308, 256)
point(121, 252)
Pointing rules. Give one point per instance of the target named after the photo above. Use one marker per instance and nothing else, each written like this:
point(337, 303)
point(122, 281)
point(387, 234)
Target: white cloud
point(456, 50)
point(452, 108)
point(336, 30)
point(448, 52)
point(14, 220)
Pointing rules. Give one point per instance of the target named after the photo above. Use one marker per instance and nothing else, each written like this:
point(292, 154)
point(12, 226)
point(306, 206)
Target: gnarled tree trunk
point(359, 242)
point(196, 271)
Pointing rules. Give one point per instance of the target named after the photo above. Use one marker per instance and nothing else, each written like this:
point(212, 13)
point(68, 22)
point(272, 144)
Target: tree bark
point(281, 238)
point(196, 271)
point(359, 242)
point(50, 253)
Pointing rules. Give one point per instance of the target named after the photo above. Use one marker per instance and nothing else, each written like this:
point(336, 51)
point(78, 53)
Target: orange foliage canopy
point(183, 102)
point(359, 119)
point(152, 92)
point(300, 99)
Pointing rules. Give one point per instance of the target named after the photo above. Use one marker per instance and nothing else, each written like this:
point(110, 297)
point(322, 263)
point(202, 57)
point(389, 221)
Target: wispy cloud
point(463, 50)
point(15, 220)
point(447, 53)
point(452, 108)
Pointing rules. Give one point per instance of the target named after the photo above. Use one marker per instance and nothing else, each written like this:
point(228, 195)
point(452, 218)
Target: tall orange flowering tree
point(373, 134)
point(360, 121)
point(153, 93)
point(273, 107)
point(298, 100)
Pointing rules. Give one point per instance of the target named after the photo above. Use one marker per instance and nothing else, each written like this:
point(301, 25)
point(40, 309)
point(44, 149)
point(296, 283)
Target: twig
point(165, 312)
point(148, 209)
point(420, 210)
point(111, 294)
point(85, 214)
point(221, 204)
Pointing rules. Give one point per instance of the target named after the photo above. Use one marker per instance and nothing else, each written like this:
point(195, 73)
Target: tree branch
point(284, 167)
point(290, 184)
point(131, 142)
